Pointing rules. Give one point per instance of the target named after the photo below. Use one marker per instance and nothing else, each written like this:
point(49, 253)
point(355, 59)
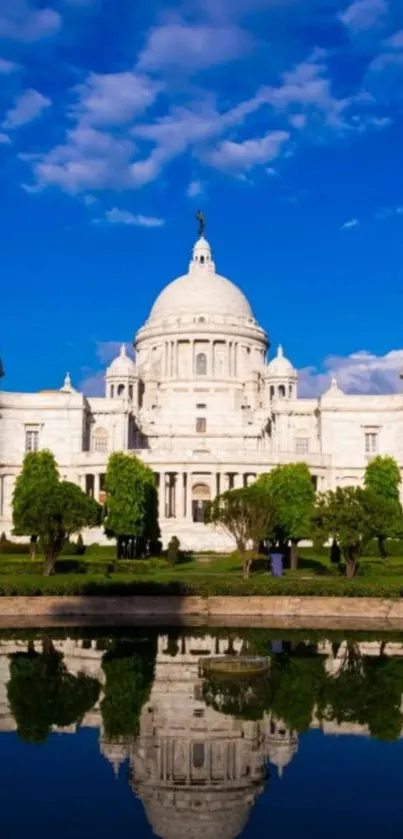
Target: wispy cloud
point(21, 20)
point(4, 139)
point(363, 15)
point(28, 106)
point(189, 48)
point(243, 156)
point(194, 189)
point(361, 372)
point(113, 98)
point(388, 212)
point(348, 225)
point(7, 66)
point(116, 216)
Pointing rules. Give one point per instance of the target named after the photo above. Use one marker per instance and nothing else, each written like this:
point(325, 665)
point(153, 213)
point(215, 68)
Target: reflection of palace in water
point(196, 770)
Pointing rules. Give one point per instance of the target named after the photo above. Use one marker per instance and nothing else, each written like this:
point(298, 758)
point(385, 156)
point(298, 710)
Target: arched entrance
point(200, 498)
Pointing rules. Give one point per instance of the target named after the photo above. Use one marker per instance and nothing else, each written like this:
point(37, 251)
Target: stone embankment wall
point(203, 609)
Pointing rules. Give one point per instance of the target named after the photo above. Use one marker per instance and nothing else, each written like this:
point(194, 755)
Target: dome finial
point(123, 351)
point(280, 352)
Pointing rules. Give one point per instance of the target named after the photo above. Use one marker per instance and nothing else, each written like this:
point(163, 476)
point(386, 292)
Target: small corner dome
point(122, 365)
point(201, 291)
point(280, 366)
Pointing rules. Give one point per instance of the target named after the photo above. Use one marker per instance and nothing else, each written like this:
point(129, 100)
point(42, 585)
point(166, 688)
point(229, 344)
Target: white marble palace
point(203, 406)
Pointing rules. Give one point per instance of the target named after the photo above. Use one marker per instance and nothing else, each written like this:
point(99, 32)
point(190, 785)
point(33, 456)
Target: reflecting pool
point(200, 734)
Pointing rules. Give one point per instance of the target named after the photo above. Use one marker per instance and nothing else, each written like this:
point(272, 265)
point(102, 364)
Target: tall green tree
point(246, 515)
point(132, 505)
point(42, 693)
point(343, 515)
point(48, 508)
point(294, 495)
point(382, 481)
point(129, 672)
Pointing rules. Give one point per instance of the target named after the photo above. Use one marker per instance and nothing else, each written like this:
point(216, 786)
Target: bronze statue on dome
point(202, 223)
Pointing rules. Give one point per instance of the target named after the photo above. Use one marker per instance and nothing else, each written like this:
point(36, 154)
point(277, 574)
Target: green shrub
point(13, 548)
point(215, 585)
point(394, 547)
point(140, 566)
point(108, 551)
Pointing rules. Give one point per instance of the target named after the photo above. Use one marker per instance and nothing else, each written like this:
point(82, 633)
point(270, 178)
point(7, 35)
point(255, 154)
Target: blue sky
point(281, 119)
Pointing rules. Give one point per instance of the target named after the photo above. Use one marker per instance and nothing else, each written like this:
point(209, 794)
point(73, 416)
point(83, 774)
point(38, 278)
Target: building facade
point(204, 406)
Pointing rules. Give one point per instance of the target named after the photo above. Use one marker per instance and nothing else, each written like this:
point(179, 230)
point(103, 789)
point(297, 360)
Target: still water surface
point(203, 734)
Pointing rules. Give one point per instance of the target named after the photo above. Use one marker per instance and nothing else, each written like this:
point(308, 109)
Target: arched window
point(100, 440)
point(271, 392)
point(281, 391)
point(121, 390)
point(201, 364)
point(130, 391)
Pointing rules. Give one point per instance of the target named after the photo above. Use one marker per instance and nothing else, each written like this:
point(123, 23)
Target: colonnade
point(177, 490)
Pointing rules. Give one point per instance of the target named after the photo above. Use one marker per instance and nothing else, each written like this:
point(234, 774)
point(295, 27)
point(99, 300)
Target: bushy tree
point(51, 509)
point(246, 515)
point(129, 673)
point(343, 515)
point(42, 693)
point(132, 505)
point(293, 494)
point(382, 481)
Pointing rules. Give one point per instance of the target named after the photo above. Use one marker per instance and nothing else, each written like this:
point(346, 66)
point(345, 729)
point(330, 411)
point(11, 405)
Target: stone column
point(188, 496)
point(238, 480)
point(179, 495)
point(161, 495)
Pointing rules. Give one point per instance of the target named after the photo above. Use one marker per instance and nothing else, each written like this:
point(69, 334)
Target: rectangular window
point(201, 425)
point(371, 442)
point(31, 441)
point(201, 406)
point(302, 445)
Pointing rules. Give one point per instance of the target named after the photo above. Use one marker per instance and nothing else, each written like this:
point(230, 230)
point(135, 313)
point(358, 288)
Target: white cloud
point(305, 97)
point(116, 216)
point(395, 41)
point(348, 225)
point(245, 155)
point(21, 20)
point(7, 66)
point(194, 189)
point(190, 48)
point(4, 139)
point(361, 372)
point(388, 212)
point(89, 160)
point(113, 98)
point(27, 107)
point(363, 15)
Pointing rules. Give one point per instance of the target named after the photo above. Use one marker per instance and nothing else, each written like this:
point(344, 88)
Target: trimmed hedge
point(83, 566)
point(261, 585)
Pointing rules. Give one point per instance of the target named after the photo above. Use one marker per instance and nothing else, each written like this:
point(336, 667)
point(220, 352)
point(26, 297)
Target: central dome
point(201, 291)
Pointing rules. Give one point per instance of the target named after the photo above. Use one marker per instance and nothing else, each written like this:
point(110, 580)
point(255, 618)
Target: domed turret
point(121, 376)
point(281, 377)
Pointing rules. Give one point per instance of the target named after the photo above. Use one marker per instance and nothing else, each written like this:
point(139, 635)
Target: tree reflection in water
point(43, 694)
